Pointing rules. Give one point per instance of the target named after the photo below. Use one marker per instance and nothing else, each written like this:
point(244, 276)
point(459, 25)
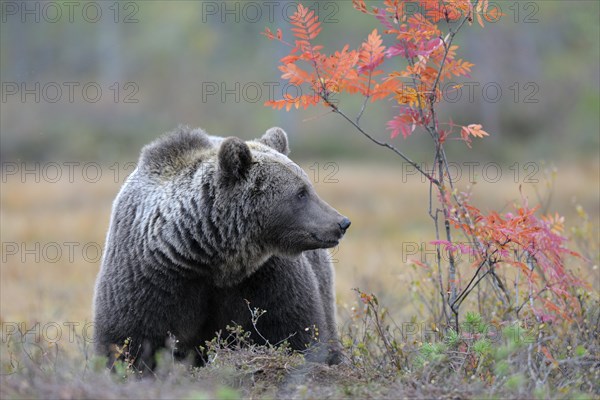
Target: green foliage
point(227, 393)
point(474, 323)
point(453, 338)
point(502, 368)
point(431, 352)
point(515, 381)
point(580, 351)
point(482, 347)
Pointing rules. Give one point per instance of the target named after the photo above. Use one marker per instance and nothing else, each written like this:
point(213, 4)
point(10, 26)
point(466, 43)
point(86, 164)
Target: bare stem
point(451, 34)
point(367, 96)
point(442, 165)
point(384, 144)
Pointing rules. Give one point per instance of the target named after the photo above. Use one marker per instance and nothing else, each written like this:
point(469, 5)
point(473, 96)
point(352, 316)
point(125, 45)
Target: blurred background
point(86, 84)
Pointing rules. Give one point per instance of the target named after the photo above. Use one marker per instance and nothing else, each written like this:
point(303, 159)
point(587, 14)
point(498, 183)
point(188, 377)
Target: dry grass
point(385, 214)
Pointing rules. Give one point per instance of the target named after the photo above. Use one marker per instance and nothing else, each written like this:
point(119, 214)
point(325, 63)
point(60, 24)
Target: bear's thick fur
point(205, 223)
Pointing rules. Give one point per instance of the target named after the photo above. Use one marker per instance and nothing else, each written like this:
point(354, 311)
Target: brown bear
point(204, 224)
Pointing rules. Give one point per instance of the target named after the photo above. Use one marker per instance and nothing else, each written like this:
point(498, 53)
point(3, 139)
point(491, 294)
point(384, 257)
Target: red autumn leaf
point(403, 123)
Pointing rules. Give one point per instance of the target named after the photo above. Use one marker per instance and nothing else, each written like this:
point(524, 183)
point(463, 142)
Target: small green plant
point(432, 352)
point(482, 347)
point(474, 323)
point(453, 338)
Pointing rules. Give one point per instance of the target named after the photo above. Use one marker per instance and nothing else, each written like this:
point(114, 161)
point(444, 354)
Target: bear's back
point(144, 207)
point(168, 155)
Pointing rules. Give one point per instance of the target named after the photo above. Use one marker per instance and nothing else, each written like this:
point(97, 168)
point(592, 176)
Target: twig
point(434, 217)
point(383, 144)
point(384, 338)
point(367, 96)
point(254, 316)
point(447, 45)
point(468, 288)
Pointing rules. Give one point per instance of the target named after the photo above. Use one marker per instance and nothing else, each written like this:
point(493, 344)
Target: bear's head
point(272, 197)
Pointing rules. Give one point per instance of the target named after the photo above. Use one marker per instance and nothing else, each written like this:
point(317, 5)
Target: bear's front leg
point(320, 262)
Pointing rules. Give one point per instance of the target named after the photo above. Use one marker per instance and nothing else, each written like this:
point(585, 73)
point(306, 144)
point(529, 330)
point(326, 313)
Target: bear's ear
point(235, 158)
point(277, 139)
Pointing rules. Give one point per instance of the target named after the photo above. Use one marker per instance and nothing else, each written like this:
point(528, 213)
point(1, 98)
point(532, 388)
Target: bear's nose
point(344, 224)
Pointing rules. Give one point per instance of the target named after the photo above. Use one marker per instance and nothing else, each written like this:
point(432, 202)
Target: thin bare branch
point(447, 45)
point(367, 96)
point(384, 144)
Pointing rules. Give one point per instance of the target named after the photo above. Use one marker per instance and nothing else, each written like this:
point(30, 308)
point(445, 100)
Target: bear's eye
point(302, 194)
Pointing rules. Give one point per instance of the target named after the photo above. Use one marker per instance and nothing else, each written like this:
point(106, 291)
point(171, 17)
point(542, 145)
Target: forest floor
point(53, 234)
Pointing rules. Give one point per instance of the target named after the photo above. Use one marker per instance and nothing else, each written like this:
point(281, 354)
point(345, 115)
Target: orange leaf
point(306, 22)
point(360, 5)
point(276, 104)
point(472, 130)
point(475, 130)
point(268, 33)
point(371, 54)
point(295, 75)
point(479, 20)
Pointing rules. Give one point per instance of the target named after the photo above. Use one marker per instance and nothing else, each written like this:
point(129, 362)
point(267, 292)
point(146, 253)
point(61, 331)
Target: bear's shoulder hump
point(175, 151)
